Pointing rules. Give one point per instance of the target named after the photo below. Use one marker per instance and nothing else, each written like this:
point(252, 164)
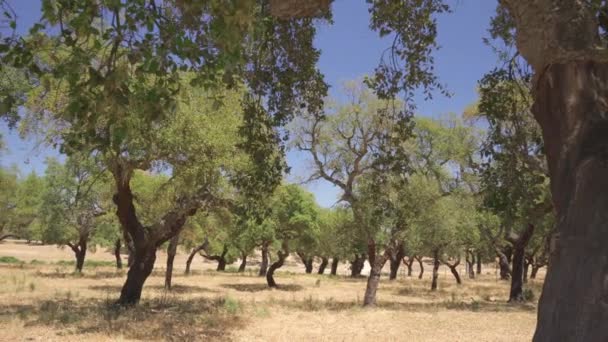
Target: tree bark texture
point(421, 264)
point(369, 299)
point(275, 265)
point(395, 262)
point(243, 262)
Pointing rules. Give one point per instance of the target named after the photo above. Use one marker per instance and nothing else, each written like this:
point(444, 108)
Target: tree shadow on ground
point(163, 318)
point(84, 275)
point(313, 304)
point(262, 287)
point(175, 289)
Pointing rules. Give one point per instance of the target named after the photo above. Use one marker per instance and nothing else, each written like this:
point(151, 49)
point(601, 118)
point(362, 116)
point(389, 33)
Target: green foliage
point(9, 260)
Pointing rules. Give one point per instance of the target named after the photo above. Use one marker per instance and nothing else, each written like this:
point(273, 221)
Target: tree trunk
point(454, 270)
point(6, 236)
point(193, 253)
point(478, 263)
point(408, 263)
point(221, 265)
point(436, 265)
point(243, 262)
point(117, 246)
point(171, 251)
point(276, 265)
point(80, 252)
point(323, 265)
point(519, 243)
point(505, 270)
point(264, 264)
point(535, 269)
point(526, 269)
point(334, 266)
point(419, 258)
point(307, 261)
point(369, 299)
point(80, 255)
point(395, 262)
point(470, 260)
point(143, 263)
point(356, 266)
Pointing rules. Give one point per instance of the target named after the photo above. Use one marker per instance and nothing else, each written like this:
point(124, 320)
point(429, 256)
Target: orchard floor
point(42, 300)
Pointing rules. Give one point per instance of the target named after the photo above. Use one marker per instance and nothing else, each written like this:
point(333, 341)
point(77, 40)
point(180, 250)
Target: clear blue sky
point(349, 50)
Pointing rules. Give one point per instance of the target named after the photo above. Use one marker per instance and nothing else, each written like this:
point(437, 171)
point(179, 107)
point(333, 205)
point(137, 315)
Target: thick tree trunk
point(117, 246)
point(421, 264)
point(334, 266)
point(221, 265)
point(323, 265)
point(276, 265)
point(369, 299)
point(503, 263)
point(143, 263)
point(478, 263)
point(395, 262)
point(517, 276)
point(264, 264)
point(243, 262)
point(436, 265)
point(171, 251)
point(526, 269)
point(356, 266)
point(307, 261)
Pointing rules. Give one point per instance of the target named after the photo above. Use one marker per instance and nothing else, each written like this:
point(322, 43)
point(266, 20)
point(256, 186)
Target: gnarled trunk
point(535, 269)
point(421, 264)
point(334, 266)
point(377, 263)
point(264, 264)
point(323, 265)
point(140, 270)
point(275, 265)
point(117, 246)
point(453, 269)
point(436, 265)
point(193, 253)
point(171, 251)
point(478, 263)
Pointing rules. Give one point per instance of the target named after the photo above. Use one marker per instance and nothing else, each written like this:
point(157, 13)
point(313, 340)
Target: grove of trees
point(175, 118)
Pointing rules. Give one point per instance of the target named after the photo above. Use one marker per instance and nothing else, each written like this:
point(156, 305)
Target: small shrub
point(37, 262)
point(231, 305)
point(9, 260)
point(318, 283)
point(261, 311)
point(528, 295)
point(32, 287)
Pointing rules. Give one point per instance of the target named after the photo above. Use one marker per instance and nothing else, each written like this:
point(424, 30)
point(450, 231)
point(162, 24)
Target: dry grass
point(48, 302)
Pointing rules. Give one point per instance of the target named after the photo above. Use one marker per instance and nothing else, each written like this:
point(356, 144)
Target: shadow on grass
point(165, 318)
point(175, 289)
point(312, 304)
point(262, 287)
point(84, 275)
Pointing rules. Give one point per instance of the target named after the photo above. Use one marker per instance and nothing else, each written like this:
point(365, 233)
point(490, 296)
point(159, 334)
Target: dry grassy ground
point(45, 301)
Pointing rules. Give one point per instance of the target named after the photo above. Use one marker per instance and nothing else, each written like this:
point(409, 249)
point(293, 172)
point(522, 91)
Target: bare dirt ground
point(42, 300)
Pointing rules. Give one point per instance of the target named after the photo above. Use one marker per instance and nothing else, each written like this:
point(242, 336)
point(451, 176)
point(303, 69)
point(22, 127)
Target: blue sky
point(349, 50)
